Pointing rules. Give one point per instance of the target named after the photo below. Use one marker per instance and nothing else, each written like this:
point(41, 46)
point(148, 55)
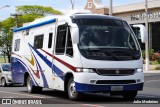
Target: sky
point(62, 5)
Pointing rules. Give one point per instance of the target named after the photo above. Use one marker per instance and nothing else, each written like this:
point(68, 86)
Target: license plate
point(116, 88)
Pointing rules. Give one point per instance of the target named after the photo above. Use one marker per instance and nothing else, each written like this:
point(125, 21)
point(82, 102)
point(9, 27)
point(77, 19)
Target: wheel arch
point(66, 79)
point(25, 78)
point(2, 78)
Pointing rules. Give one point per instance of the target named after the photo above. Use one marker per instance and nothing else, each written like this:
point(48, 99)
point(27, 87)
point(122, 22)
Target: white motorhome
point(78, 53)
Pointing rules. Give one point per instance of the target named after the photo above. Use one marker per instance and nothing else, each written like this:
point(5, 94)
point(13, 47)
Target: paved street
point(151, 90)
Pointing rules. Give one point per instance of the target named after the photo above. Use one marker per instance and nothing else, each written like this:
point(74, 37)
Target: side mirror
point(143, 33)
point(74, 33)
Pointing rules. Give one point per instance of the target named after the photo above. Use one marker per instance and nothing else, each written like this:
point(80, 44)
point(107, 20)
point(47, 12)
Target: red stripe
point(61, 61)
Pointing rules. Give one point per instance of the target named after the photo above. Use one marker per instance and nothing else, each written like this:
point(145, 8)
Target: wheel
point(72, 94)
point(129, 95)
point(3, 81)
point(31, 88)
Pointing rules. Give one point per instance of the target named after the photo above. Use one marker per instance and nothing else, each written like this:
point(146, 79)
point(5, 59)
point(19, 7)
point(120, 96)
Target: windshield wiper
point(129, 53)
point(104, 51)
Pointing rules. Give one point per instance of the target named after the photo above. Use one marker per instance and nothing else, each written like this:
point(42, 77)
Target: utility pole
point(110, 8)
point(72, 3)
point(147, 43)
point(16, 16)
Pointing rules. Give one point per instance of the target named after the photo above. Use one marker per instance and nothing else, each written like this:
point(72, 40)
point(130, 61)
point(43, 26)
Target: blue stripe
point(52, 66)
point(43, 76)
point(29, 72)
point(21, 65)
point(35, 25)
point(80, 87)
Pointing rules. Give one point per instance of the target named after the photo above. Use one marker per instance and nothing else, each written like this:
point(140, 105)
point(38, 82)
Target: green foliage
point(29, 13)
point(151, 51)
point(158, 57)
point(37, 10)
point(143, 54)
point(158, 68)
point(27, 18)
point(154, 57)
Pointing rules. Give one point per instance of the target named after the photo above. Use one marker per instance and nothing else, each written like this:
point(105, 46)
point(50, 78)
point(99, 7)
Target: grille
point(115, 82)
point(115, 72)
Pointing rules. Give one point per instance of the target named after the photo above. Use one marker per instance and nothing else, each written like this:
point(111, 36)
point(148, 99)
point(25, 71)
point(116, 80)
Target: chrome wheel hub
point(72, 90)
point(29, 84)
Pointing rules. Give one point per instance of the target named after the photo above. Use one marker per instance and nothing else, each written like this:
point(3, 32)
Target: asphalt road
point(59, 99)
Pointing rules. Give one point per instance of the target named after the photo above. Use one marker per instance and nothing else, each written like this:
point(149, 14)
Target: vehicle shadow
point(13, 85)
point(93, 98)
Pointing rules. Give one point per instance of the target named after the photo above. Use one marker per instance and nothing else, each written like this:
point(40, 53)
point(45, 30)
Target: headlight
point(139, 70)
point(85, 70)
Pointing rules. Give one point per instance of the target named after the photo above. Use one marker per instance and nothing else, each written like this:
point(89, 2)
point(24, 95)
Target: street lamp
point(4, 6)
point(72, 3)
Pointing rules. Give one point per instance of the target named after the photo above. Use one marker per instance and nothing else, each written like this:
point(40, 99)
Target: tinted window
point(61, 39)
point(50, 40)
point(6, 67)
point(69, 49)
point(107, 40)
point(38, 41)
point(17, 45)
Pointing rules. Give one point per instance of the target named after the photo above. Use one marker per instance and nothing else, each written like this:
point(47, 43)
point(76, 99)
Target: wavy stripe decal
point(31, 61)
point(52, 66)
point(29, 72)
point(26, 69)
point(61, 61)
point(43, 76)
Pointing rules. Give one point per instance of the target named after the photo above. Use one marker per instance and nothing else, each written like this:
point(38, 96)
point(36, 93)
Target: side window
point(89, 5)
point(38, 41)
point(50, 40)
point(69, 47)
point(61, 39)
point(17, 45)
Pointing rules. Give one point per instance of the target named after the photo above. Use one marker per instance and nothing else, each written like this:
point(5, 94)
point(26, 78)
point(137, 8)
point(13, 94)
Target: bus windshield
point(107, 39)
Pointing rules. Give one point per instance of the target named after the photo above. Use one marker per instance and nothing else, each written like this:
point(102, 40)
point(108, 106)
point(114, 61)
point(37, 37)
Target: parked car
point(5, 74)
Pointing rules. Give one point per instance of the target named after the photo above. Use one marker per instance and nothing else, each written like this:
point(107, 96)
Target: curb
point(152, 71)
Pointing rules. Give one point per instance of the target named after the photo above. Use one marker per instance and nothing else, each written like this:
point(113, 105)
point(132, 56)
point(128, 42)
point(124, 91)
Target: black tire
point(72, 94)
point(3, 82)
point(38, 89)
point(129, 95)
point(31, 88)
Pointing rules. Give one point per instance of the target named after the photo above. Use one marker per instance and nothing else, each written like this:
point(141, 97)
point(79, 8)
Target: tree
point(29, 13)
point(37, 10)
point(6, 37)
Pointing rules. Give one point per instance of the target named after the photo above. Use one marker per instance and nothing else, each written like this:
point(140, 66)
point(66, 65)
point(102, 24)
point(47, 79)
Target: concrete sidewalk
point(152, 71)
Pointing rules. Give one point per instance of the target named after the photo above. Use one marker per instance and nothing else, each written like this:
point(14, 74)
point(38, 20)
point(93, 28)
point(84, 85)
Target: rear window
point(6, 67)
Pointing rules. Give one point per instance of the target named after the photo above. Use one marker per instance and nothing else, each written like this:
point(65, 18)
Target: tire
point(31, 88)
point(72, 94)
point(38, 89)
point(3, 82)
point(129, 95)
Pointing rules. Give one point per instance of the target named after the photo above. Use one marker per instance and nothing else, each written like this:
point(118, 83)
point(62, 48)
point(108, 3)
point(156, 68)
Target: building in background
point(134, 14)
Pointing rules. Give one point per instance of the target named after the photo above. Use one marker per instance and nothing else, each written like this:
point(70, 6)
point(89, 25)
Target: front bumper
point(102, 88)
point(9, 80)
point(83, 82)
